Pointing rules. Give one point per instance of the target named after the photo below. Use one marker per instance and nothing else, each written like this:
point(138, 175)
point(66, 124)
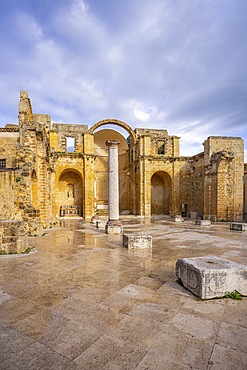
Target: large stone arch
point(161, 193)
point(116, 122)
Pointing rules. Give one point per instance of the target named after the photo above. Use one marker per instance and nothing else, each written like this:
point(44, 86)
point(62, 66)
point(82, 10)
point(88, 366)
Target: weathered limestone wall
point(224, 171)
point(25, 109)
point(124, 183)
point(192, 185)
point(157, 172)
point(101, 183)
point(60, 132)
point(132, 178)
point(245, 192)
point(34, 161)
point(43, 120)
point(88, 164)
point(13, 237)
point(8, 194)
point(153, 178)
point(8, 145)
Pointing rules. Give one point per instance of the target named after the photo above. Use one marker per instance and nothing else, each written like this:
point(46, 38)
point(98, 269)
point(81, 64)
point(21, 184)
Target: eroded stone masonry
point(51, 170)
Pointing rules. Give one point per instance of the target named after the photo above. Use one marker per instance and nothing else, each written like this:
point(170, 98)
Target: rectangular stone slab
point(13, 237)
point(137, 241)
point(100, 224)
point(211, 277)
point(178, 219)
point(241, 226)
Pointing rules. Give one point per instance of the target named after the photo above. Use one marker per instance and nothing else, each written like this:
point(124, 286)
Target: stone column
point(113, 225)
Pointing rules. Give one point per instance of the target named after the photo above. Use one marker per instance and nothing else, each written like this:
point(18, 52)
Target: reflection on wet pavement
point(83, 301)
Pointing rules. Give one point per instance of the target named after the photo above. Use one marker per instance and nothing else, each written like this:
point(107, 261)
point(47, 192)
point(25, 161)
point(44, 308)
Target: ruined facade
point(51, 170)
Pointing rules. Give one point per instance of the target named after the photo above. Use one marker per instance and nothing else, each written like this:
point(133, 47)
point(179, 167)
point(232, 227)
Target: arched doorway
point(160, 193)
point(70, 194)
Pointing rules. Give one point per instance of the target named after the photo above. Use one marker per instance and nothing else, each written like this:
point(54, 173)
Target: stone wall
point(192, 185)
point(34, 161)
point(223, 182)
point(42, 175)
point(8, 146)
point(8, 194)
point(245, 192)
point(60, 133)
point(13, 237)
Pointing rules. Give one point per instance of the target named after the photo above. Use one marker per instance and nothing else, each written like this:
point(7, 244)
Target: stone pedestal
point(178, 218)
point(100, 224)
point(211, 277)
point(203, 222)
point(240, 226)
point(137, 241)
point(13, 237)
point(113, 225)
point(193, 215)
point(94, 219)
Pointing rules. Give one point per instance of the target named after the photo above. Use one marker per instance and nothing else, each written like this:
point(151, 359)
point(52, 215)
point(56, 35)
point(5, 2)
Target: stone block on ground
point(193, 215)
point(94, 219)
point(203, 222)
point(178, 218)
point(137, 241)
point(13, 237)
point(240, 226)
point(212, 277)
point(114, 227)
point(100, 224)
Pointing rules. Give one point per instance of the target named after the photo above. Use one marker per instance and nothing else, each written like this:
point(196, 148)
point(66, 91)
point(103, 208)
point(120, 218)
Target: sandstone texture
point(137, 241)
point(13, 237)
point(212, 277)
point(50, 170)
point(240, 226)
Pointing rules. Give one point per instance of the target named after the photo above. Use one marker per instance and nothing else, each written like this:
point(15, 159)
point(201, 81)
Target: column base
point(113, 227)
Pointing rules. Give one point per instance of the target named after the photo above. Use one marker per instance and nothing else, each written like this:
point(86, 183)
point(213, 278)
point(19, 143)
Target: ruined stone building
point(51, 170)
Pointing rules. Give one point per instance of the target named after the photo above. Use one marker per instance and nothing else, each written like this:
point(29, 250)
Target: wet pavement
point(82, 301)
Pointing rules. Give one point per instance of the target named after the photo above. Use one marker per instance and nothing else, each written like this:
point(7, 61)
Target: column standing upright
point(113, 225)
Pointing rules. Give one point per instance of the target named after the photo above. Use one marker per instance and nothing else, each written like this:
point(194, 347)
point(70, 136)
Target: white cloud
point(159, 64)
point(141, 115)
point(139, 111)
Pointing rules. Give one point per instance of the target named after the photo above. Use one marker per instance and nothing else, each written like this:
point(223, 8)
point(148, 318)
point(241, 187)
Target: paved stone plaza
point(83, 301)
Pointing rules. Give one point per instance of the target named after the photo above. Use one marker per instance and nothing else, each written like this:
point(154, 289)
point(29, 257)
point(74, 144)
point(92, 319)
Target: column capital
point(112, 143)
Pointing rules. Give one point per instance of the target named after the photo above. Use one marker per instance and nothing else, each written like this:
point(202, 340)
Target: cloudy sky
point(179, 65)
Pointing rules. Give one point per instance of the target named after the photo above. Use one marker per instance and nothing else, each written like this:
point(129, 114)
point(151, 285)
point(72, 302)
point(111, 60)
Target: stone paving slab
point(83, 301)
point(239, 226)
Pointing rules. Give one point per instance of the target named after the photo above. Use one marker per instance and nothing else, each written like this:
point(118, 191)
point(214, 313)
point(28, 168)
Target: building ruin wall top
point(69, 128)
point(197, 156)
point(151, 132)
point(225, 137)
point(25, 106)
point(10, 128)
